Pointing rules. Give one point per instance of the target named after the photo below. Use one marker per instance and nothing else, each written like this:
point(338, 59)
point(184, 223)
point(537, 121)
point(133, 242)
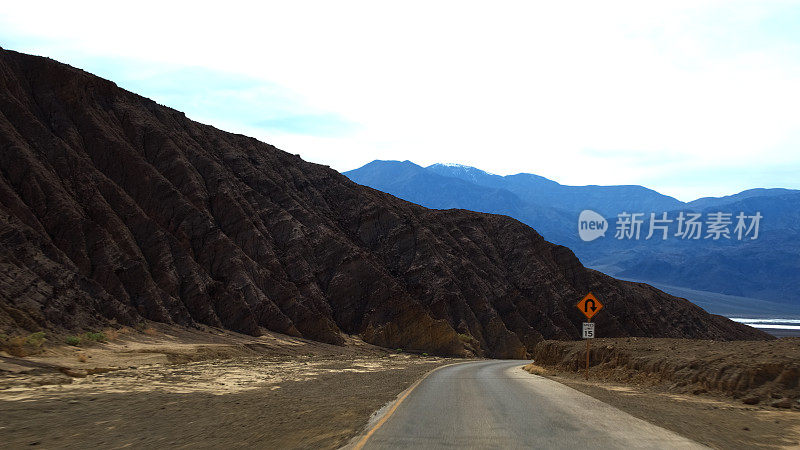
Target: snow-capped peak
point(463, 167)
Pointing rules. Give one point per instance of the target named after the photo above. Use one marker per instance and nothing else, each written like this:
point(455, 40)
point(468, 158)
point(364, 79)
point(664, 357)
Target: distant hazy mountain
point(709, 202)
point(767, 268)
point(428, 188)
point(415, 184)
point(607, 200)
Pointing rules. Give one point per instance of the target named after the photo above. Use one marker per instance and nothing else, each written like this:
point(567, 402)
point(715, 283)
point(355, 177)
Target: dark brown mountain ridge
point(113, 207)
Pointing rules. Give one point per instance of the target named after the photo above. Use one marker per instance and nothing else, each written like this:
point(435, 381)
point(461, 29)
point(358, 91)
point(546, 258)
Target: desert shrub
point(96, 337)
point(23, 345)
point(36, 339)
point(73, 340)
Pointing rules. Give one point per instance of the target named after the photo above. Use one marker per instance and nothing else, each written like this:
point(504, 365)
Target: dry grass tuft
point(111, 334)
point(536, 370)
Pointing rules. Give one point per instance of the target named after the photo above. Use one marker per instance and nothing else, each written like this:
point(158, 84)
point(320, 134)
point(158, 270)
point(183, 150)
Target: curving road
point(495, 404)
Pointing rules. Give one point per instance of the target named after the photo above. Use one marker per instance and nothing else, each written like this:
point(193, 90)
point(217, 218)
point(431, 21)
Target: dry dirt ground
point(716, 422)
point(183, 388)
point(699, 389)
point(176, 387)
point(761, 371)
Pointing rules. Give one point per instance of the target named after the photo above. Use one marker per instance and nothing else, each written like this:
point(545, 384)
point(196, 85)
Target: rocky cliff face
point(114, 207)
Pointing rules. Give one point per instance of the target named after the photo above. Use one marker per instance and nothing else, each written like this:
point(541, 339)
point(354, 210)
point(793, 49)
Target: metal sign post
point(589, 306)
point(587, 357)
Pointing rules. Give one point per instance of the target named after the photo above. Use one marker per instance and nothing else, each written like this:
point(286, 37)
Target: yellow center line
point(391, 411)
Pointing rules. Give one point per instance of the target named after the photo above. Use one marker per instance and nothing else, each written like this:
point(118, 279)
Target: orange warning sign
point(590, 305)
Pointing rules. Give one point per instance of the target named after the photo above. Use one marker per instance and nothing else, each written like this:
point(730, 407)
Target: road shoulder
point(711, 421)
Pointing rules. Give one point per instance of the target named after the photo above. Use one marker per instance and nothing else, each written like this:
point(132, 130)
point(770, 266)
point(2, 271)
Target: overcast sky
point(688, 98)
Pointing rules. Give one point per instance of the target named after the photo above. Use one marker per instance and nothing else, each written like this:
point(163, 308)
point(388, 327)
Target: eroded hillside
point(115, 207)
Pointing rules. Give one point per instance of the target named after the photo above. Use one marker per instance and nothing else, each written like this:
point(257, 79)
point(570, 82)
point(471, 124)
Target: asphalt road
point(495, 404)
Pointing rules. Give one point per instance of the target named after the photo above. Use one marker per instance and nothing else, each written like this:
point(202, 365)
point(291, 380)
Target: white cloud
point(566, 90)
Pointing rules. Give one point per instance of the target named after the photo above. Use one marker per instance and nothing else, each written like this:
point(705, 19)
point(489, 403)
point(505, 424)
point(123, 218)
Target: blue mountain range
point(748, 277)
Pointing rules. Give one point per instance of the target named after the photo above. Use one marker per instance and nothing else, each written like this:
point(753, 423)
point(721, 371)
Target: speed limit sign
point(588, 330)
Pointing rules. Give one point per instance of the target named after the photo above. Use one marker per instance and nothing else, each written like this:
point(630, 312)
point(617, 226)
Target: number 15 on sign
point(589, 306)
